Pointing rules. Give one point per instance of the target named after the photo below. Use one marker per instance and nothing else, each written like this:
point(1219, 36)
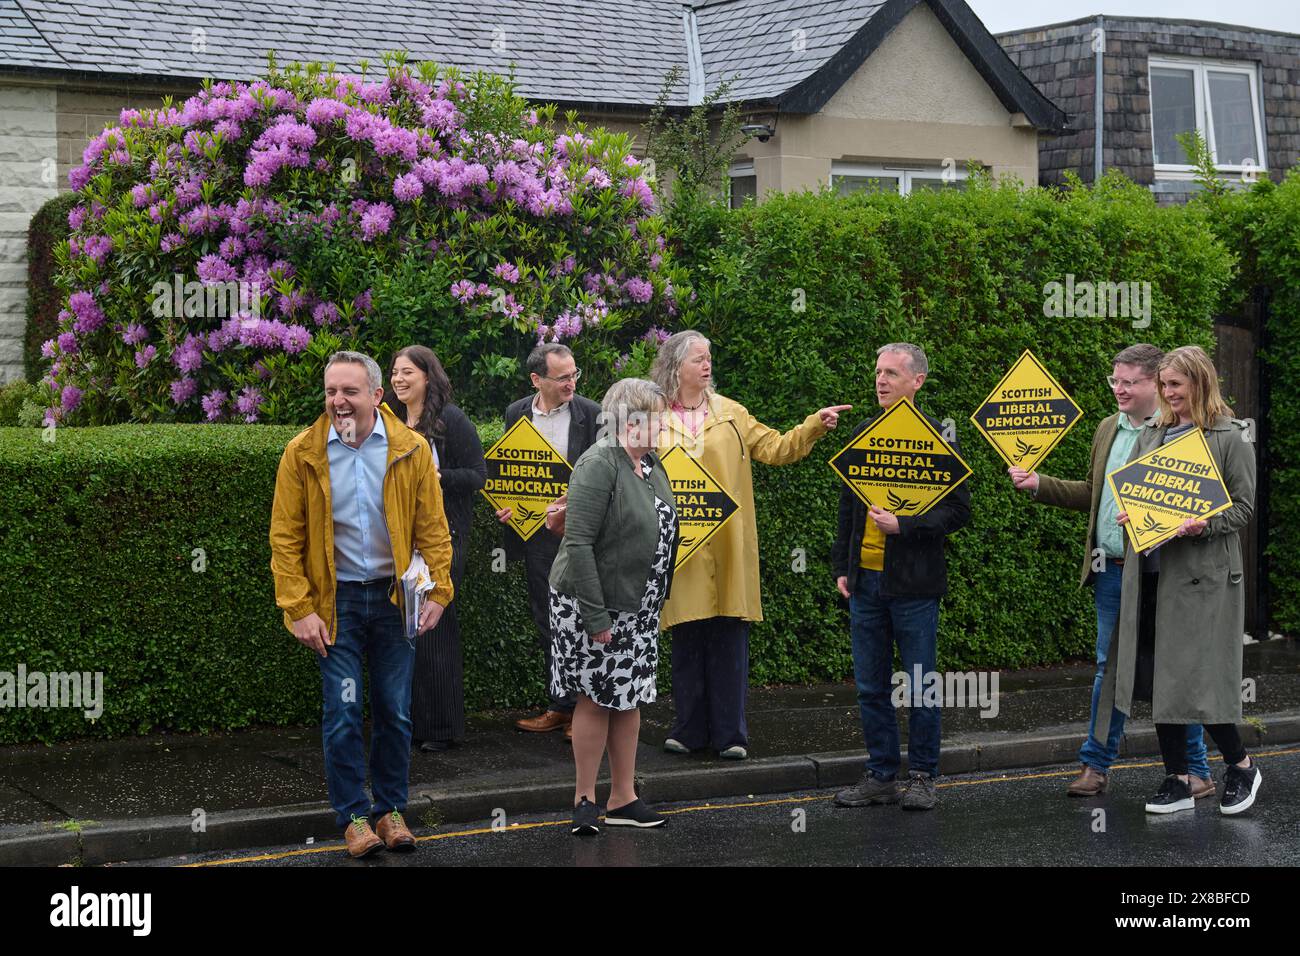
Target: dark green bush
point(48, 228)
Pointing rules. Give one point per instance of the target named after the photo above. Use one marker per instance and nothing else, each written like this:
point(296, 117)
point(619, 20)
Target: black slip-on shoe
point(635, 814)
point(585, 817)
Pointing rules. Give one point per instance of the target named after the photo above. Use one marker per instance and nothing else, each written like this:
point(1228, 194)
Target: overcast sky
point(1002, 15)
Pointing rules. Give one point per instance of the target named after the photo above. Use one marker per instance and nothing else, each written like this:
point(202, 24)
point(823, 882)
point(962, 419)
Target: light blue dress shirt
point(362, 548)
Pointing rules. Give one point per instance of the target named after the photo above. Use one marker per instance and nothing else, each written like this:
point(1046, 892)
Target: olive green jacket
point(611, 531)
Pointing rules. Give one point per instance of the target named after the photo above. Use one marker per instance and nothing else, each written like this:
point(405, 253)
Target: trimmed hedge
point(962, 275)
point(100, 525)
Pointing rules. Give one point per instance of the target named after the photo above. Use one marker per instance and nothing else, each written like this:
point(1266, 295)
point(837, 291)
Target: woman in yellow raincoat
point(716, 594)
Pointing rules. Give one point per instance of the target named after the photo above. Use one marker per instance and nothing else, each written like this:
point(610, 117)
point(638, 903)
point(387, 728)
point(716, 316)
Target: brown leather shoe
point(545, 723)
point(1089, 783)
point(393, 831)
point(1200, 786)
point(361, 839)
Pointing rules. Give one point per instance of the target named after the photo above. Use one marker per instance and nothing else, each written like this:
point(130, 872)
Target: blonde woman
point(716, 596)
point(1186, 599)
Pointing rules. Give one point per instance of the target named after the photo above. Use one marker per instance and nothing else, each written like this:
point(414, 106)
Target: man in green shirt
point(1133, 380)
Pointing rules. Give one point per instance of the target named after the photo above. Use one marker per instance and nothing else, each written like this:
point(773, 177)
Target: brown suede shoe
point(361, 839)
point(1089, 783)
point(1200, 786)
point(545, 723)
point(393, 831)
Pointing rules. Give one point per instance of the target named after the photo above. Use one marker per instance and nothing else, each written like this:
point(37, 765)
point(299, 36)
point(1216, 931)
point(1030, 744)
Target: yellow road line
point(515, 827)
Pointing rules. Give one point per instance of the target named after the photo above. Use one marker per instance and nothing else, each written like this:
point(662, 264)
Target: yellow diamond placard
point(900, 462)
point(1165, 487)
point(525, 474)
point(1027, 414)
point(703, 505)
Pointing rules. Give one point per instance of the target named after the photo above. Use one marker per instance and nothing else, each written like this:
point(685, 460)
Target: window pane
point(743, 188)
point(852, 184)
point(1234, 119)
point(936, 183)
point(1173, 111)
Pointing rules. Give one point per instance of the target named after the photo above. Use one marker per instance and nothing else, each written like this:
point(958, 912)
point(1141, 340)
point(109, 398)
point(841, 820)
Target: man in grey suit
point(570, 423)
point(1133, 380)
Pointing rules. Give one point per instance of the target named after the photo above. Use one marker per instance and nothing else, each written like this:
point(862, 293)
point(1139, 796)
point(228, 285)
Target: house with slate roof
point(883, 94)
point(1131, 84)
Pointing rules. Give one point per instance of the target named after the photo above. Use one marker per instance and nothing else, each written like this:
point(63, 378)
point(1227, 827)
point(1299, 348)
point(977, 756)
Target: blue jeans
point(875, 623)
point(1099, 756)
point(370, 626)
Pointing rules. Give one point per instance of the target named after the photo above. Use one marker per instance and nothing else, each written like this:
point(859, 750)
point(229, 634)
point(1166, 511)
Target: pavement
point(146, 798)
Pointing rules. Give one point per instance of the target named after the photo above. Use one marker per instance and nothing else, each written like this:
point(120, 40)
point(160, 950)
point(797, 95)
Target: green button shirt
point(1110, 536)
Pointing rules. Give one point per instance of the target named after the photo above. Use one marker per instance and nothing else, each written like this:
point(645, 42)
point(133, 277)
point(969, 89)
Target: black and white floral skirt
point(621, 674)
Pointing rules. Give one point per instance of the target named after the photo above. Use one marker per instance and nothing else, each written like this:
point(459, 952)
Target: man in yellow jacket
point(354, 494)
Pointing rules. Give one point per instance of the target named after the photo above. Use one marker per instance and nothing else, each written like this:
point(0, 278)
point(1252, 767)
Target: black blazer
point(461, 470)
point(584, 425)
point(914, 559)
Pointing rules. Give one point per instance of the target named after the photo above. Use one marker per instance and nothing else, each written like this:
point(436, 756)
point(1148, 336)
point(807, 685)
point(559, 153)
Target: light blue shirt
point(1110, 536)
point(362, 548)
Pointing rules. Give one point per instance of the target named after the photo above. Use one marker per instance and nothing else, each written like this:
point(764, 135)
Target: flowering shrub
point(221, 250)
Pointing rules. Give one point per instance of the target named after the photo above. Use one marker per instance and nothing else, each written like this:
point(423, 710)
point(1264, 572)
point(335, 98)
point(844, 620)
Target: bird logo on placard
point(899, 505)
point(1151, 526)
point(527, 514)
point(686, 543)
point(1024, 449)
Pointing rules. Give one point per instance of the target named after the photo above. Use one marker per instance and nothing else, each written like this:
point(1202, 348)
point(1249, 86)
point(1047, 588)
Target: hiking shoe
point(634, 814)
point(918, 793)
point(869, 791)
point(1174, 795)
point(672, 746)
point(1239, 788)
point(585, 817)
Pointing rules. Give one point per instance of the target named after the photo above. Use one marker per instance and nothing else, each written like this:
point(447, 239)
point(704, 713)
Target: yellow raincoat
point(721, 579)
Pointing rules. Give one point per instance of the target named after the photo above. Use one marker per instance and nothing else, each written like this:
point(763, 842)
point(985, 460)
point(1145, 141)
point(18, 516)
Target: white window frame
point(741, 170)
point(904, 173)
point(1201, 69)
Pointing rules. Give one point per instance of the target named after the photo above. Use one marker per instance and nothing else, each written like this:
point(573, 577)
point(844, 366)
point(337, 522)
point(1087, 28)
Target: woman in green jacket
point(608, 584)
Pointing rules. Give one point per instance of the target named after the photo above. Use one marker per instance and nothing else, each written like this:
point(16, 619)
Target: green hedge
point(962, 275)
point(100, 525)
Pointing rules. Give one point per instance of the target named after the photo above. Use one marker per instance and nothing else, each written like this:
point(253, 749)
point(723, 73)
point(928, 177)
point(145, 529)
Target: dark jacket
point(914, 560)
point(610, 535)
point(584, 424)
point(461, 471)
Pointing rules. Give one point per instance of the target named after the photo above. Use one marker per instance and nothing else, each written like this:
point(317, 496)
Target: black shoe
point(635, 814)
point(585, 817)
point(1239, 788)
point(1174, 795)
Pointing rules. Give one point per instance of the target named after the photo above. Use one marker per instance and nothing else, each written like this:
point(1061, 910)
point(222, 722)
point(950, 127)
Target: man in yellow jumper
point(354, 494)
point(893, 571)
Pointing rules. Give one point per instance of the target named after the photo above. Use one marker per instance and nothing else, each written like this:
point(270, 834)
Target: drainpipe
point(1099, 96)
point(694, 59)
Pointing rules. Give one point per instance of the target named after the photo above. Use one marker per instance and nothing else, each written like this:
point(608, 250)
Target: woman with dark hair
point(421, 397)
